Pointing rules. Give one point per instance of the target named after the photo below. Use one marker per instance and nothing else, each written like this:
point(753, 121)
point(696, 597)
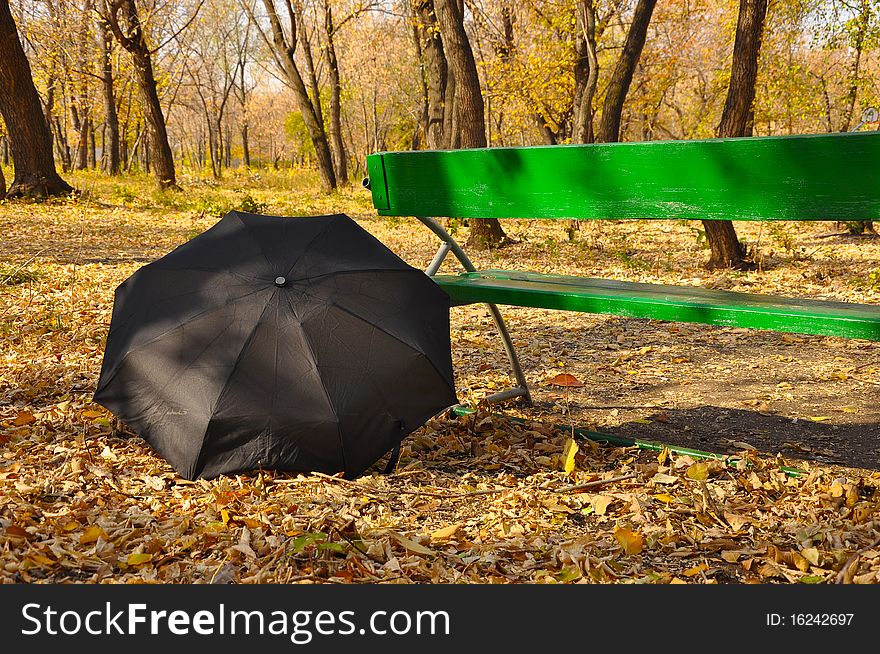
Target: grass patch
point(11, 275)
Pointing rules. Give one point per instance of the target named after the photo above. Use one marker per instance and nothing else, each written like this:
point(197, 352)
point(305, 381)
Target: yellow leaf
point(731, 556)
point(73, 525)
point(698, 471)
point(819, 418)
point(663, 497)
point(630, 541)
point(736, 521)
point(600, 503)
point(42, 560)
point(92, 414)
point(571, 449)
point(139, 559)
point(697, 569)
point(811, 554)
point(849, 409)
point(664, 454)
point(224, 515)
point(800, 562)
point(676, 580)
point(445, 532)
point(411, 545)
point(91, 534)
point(642, 421)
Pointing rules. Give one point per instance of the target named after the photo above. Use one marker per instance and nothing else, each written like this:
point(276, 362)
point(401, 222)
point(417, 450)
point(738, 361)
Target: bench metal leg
point(448, 245)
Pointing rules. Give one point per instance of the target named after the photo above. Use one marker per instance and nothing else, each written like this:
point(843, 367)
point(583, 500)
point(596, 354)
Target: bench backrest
point(812, 177)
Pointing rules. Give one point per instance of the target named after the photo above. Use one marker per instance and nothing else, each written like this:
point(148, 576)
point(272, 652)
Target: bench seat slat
point(664, 302)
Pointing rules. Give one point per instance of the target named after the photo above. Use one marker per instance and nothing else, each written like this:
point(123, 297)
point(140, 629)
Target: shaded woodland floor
point(480, 498)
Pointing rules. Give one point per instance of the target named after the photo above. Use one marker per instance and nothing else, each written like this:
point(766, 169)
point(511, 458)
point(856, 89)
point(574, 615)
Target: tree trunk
point(92, 154)
point(245, 144)
point(436, 72)
point(621, 78)
point(82, 144)
point(340, 159)
point(110, 154)
point(862, 24)
point(727, 251)
point(283, 51)
point(130, 35)
point(31, 143)
point(61, 145)
point(470, 111)
point(586, 72)
point(2, 185)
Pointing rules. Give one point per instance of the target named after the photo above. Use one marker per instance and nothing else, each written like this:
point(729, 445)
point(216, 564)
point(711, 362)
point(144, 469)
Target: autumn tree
point(30, 141)
point(469, 107)
point(621, 78)
point(727, 251)
point(586, 71)
point(110, 151)
point(282, 41)
point(125, 23)
point(434, 75)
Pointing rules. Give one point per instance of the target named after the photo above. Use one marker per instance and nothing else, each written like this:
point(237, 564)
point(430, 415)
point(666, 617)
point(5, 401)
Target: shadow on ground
point(723, 430)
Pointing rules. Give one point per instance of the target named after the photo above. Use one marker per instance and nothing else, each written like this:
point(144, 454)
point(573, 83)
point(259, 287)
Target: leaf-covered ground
point(488, 497)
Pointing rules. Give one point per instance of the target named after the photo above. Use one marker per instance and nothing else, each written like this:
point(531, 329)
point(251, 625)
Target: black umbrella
point(299, 344)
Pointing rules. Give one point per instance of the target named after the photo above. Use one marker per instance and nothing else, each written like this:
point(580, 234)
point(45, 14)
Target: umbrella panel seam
point(314, 359)
point(112, 373)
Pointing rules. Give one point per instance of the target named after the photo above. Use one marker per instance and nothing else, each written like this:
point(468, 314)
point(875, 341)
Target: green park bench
point(830, 177)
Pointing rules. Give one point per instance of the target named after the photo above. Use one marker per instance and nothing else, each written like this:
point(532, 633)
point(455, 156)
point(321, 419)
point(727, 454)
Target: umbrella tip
point(280, 281)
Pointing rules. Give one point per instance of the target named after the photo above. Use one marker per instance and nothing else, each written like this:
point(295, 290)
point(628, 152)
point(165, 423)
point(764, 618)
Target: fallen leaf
point(139, 559)
point(736, 521)
point(600, 503)
point(811, 554)
point(731, 556)
point(91, 534)
point(42, 559)
point(569, 574)
point(820, 418)
point(698, 471)
point(411, 545)
point(565, 380)
point(697, 569)
point(571, 449)
point(91, 413)
point(23, 418)
point(16, 532)
point(630, 541)
point(800, 562)
point(663, 497)
point(445, 533)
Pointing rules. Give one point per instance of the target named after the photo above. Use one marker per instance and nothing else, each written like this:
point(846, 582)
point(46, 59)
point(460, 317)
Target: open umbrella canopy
point(298, 344)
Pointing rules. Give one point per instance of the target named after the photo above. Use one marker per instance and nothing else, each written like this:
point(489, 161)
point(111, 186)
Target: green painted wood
point(812, 177)
point(664, 302)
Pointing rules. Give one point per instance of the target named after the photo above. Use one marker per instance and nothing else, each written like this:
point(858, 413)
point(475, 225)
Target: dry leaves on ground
point(480, 498)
